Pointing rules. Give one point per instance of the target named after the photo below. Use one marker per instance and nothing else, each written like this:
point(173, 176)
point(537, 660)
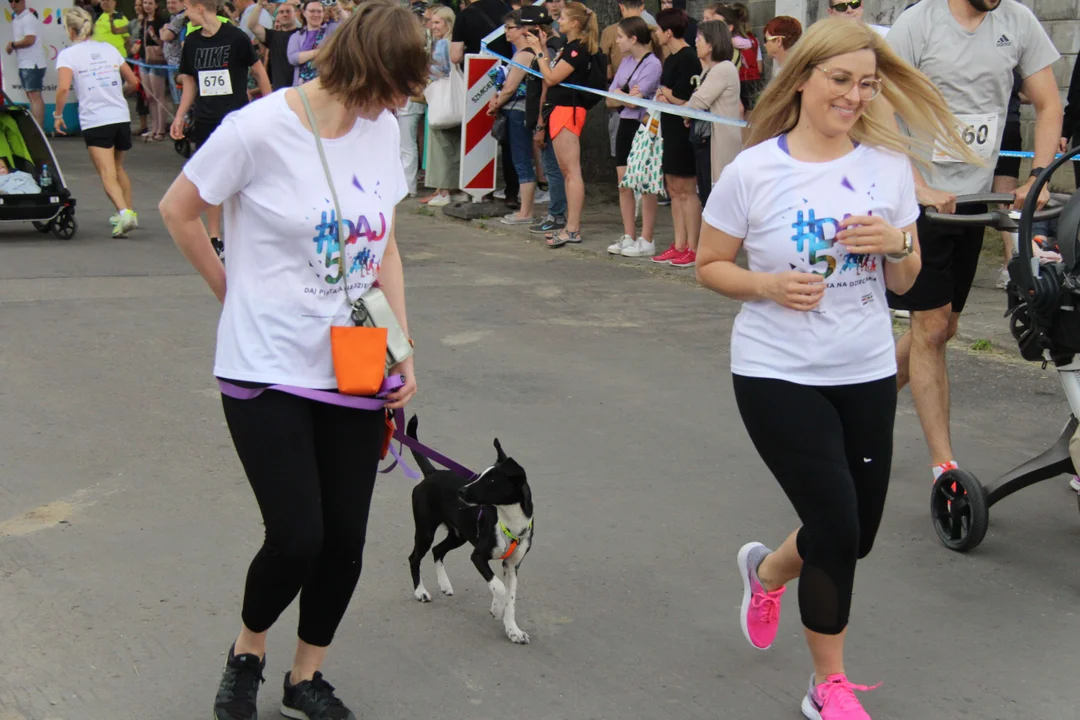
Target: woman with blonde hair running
point(812, 352)
point(97, 68)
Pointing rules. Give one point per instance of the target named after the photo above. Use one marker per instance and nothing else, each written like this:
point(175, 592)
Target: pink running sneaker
point(760, 616)
point(686, 259)
point(834, 699)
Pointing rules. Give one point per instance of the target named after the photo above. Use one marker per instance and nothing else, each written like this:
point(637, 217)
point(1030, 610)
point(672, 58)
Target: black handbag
point(498, 129)
point(700, 130)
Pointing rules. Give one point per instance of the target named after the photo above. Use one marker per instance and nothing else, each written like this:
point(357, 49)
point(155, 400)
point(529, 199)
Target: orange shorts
point(571, 118)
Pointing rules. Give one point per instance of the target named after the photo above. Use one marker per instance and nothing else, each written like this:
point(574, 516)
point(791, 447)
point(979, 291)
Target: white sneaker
point(1075, 483)
point(500, 193)
point(542, 197)
point(1002, 279)
point(439, 201)
point(624, 242)
point(640, 248)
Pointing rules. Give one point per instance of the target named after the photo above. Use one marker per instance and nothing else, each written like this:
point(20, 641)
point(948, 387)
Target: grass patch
point(982, 346)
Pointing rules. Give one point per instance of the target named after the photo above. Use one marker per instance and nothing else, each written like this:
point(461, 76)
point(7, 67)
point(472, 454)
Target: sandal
point(562, 237)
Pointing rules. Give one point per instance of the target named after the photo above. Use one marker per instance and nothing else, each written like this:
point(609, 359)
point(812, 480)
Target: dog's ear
point(501, 457)
point(514, 472)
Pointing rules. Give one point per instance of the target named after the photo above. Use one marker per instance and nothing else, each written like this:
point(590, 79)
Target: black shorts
point(116, 136)
point(678, 160)
point(624, 140)
point(950, 257)
point(201, 130)
point(1010, 140)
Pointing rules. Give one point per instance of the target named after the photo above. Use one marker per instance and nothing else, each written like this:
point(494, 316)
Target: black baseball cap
point(535, 15)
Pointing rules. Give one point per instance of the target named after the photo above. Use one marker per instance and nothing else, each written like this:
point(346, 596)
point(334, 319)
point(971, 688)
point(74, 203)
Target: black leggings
point(312, 467)
point(830, 449)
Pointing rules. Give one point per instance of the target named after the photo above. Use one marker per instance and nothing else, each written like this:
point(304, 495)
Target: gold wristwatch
point(909, 247)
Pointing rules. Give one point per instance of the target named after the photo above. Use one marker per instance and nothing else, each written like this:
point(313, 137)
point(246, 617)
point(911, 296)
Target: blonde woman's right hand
point(795, 290)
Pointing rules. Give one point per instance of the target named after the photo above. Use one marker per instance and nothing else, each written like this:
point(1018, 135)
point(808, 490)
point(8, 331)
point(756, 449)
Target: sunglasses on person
point(841, 82)
point(770, 38)
point(843, 7)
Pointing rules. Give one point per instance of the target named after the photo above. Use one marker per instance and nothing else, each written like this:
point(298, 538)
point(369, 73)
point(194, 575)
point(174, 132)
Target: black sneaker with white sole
point(313, 699)
point(219, 248)
point(239, 687)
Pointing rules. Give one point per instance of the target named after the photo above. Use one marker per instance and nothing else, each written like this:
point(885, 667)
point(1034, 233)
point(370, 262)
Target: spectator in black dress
point(680, 169)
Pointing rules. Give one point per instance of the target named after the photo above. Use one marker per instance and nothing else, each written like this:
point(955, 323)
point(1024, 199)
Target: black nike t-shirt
point(219, 65)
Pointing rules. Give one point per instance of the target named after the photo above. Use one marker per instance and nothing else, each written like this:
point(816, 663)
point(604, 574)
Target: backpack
point(596, 79)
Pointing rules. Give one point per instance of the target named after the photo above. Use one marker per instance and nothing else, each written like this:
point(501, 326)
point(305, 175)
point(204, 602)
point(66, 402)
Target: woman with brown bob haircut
point(311, 463)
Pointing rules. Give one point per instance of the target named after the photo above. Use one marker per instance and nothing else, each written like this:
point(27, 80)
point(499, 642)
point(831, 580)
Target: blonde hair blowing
point(447, 16)
point(80, 22)
point(586, 20)
point(908, 93)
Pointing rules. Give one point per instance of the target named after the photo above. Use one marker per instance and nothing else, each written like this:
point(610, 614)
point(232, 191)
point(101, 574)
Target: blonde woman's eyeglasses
point(840, 83)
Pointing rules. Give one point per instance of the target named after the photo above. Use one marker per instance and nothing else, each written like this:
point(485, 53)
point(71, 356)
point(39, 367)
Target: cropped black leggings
point(312, 467)
point(830, 449)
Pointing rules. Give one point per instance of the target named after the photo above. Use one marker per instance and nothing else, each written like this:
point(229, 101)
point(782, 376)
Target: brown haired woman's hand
point(400, 397)
point(795, 290)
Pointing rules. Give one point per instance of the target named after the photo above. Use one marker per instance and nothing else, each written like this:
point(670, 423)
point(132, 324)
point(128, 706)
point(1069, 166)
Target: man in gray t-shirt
point(968, 49)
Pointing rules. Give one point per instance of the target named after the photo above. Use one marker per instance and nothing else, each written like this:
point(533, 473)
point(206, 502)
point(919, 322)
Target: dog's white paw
point(444, 580)
point(517, 636)
point(421, 594)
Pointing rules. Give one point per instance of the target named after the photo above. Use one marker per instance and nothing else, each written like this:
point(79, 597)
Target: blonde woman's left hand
point(400, 397)
point(869, 235)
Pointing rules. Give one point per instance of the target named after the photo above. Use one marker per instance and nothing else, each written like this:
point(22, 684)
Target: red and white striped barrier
point(478, 148)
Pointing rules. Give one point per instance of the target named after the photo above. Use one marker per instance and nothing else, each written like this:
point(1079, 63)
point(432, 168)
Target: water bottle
point(46, 179)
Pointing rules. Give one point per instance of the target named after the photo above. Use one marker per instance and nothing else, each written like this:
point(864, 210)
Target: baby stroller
point(24, 147)
point(1044, 318)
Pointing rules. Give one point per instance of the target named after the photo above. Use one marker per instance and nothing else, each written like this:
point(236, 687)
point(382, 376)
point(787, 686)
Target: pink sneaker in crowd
point(685, 259)
point(834, 699)
point(668, 255)
point(760, 616)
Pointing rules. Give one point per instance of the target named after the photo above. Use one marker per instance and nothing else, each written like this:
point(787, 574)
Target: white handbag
point(446, 100)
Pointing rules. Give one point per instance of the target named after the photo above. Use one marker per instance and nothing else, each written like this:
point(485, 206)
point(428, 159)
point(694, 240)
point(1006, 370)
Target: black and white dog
point(494, 512)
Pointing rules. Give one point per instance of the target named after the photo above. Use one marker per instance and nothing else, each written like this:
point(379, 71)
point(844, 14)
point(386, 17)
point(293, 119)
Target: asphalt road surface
point(126, 524)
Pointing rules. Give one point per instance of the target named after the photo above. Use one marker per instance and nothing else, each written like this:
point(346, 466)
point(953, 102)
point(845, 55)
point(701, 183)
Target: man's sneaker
point(548, 224)
point(219, 247)
point(942, 468)
point(1002, 279)
point(1075, 483)
point(500, 194)
point(760, 614)
point(668, 255)
point(239, 687)
point(834, 699)
point(686, 259)
point(513, 219)
point(135, 217)
point(624, 242)
point(313, 700)
point(641, 248)
point(542, 197)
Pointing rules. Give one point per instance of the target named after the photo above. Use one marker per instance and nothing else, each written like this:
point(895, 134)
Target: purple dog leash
point(391, 383)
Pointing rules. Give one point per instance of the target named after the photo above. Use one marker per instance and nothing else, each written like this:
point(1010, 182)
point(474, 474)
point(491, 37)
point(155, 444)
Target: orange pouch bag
point(388, 435)
point(359, 359)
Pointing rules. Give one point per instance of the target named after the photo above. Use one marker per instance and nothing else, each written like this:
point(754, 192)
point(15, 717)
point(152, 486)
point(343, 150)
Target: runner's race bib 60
point(979, 133)
point(214, 82)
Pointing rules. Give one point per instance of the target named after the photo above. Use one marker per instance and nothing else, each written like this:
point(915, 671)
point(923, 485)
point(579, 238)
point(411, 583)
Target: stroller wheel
point(959, 510)
point(43, 227)
point(64, 226)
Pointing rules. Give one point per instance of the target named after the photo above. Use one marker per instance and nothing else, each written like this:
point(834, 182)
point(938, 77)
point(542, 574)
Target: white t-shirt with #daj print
point(788, 213)
point(284, 290)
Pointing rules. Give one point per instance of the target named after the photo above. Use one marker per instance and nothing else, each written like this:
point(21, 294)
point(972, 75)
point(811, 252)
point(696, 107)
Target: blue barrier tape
point(680, 110)
point(1020, 154)
point(152, 67)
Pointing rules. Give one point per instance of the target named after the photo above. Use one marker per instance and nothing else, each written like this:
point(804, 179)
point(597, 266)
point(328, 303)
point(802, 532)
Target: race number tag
point(979, 133)
point(214, 82)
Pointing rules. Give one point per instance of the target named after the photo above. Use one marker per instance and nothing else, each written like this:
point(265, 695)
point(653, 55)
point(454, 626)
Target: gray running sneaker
point(313, 699)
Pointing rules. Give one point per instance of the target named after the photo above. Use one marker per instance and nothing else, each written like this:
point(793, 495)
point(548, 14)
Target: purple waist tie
point(390, 384)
